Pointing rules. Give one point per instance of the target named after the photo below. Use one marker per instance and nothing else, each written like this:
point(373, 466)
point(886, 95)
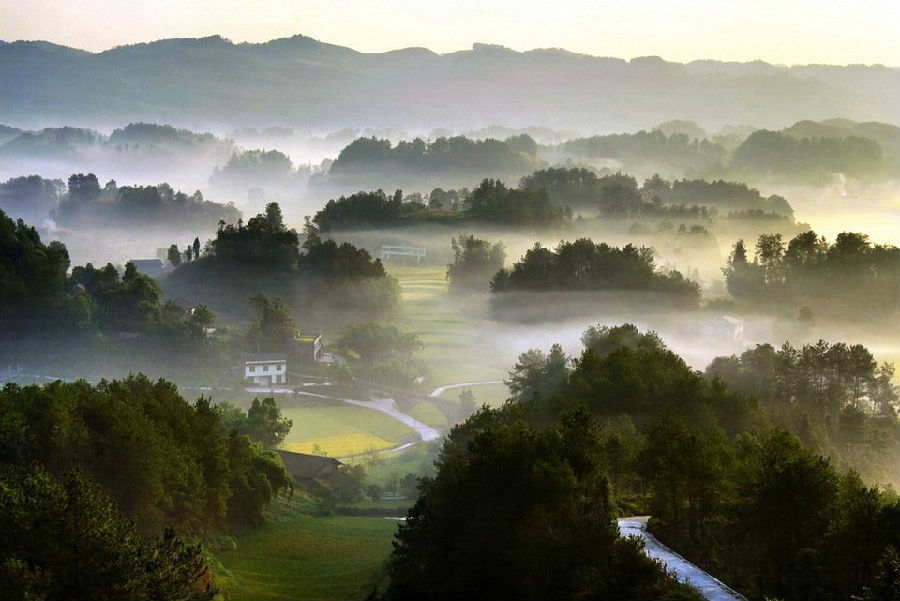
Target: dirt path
point(709, 586)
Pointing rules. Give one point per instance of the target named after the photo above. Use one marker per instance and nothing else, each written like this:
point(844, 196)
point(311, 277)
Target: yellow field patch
point(340, 446)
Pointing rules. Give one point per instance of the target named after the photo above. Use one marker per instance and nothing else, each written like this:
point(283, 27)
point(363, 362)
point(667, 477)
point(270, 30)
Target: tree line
point(585, 265)
point(807, 270)
point(263, 255)
point(454, 154)
point(530, 490)
point(491, 202)
point(95, 480)
point(85, 201)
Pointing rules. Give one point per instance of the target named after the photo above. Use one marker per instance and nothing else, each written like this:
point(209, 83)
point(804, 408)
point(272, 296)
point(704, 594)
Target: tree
point(202, 317)
point(196, 247)
point(273, 330)
point(538, 375)
point(262, 422)
point(519, 513)
point(475, 261)
point(66, 540)
point(174, 256)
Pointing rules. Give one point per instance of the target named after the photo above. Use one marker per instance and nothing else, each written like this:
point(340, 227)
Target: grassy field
point(342, 430)
point(454, 329)
point(296, 557)
point(429, 415)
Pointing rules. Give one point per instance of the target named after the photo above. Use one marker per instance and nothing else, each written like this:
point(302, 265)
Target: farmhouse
point(266, 369)
point(316, 474)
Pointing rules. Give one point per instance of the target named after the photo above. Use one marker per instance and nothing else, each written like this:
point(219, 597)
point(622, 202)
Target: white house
point(266, 369)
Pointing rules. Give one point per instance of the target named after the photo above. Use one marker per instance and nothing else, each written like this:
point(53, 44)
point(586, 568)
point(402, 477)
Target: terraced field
point(455, 330)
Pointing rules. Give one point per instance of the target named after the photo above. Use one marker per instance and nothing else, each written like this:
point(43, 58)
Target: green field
point(454, 329)
point(429, 415)
point(298, 557)
point(342, 430)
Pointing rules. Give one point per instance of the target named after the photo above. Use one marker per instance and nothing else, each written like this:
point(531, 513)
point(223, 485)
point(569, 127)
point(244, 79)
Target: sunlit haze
point(799, 32)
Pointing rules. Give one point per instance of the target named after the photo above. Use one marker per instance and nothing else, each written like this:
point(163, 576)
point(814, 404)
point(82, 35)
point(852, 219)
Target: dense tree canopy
point(65, 539)
point(455, 154)
point(747, 501)
point(86, 201)
point(517, 512)
point(781, 154)
point(584, 265)
point(30, 197)
point(810, 271)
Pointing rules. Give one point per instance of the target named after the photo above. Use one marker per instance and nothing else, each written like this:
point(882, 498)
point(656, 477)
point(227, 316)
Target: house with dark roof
point(315, 473)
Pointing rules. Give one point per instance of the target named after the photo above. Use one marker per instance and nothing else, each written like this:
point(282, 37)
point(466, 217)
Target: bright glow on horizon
point(796, 32)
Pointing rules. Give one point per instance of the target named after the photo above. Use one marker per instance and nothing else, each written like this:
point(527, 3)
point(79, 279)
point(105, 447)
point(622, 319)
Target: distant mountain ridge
point(301, 82)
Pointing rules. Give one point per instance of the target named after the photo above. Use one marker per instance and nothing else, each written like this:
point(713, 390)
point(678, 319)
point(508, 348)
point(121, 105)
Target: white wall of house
point(266, 372)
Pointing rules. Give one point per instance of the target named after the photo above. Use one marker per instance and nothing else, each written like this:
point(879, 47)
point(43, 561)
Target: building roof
point(315, 472)
point(263, 357)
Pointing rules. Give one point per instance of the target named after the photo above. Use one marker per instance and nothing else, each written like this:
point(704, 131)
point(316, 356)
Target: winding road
point(709, 586)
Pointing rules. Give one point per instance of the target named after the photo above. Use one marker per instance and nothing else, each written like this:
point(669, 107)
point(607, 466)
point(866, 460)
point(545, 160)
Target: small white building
point(266, 369)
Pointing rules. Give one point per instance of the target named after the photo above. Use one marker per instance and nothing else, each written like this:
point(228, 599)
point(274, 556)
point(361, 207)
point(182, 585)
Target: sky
point(777, 31)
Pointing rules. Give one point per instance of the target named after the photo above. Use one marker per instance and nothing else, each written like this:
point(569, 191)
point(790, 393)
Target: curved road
point(709, 586)
point(440, 390)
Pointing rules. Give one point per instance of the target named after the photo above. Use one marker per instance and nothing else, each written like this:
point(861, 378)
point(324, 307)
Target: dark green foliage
point(516, 512)
point(381, 353)
point(273, 329)
point(584, 265)
point(331, 262)
point(327, 279)
point(677, 151)
point(603, 340)
point(490, 202)
point(66, 540)
point(265, 241)
point(262, 422)
point(538, 375)
point(137, 205)
point(165, 462)
point(723, 195)
point(493, 202)
point(826, 277)
point(363, 210)
point(254, 165)
point(129, 303)
point(618, 195)
point(31, 197)
point(33, 281)
point(781, 154)
point(457, 154)
point(475, 261)
point(576, 187)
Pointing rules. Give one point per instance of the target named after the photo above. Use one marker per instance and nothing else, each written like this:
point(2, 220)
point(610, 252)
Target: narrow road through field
point(709, 586)
point(386, 406)
point(441, 389)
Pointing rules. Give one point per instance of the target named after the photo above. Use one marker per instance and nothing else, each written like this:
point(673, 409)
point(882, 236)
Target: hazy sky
point(779, 31)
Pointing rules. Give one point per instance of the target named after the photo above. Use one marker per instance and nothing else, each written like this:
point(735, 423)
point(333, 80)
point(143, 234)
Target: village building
point(308, 349)
point(266, 369)
point(319, 475)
